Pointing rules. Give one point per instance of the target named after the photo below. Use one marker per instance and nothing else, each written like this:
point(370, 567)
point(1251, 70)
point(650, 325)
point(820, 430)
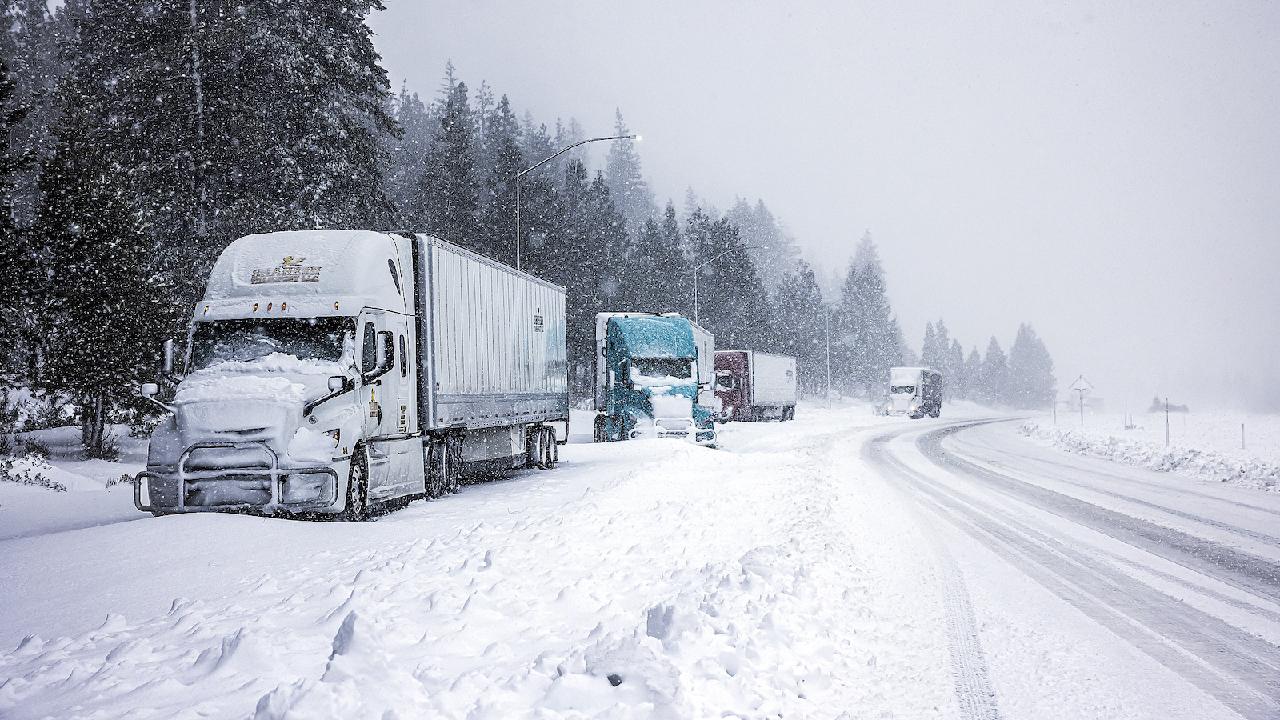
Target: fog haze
point(1110, 174)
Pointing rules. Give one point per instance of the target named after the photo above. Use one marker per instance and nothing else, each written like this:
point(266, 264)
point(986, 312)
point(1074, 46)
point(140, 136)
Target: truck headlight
point(335, 435)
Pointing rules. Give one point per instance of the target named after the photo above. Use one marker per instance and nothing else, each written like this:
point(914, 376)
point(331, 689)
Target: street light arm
point(564, 150)
point(726, 252)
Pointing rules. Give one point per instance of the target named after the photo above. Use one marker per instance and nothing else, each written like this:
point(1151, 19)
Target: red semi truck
point(754, 386)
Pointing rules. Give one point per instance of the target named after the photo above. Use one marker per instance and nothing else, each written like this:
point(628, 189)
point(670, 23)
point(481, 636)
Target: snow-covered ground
point(800, 570)
point(1206, 446)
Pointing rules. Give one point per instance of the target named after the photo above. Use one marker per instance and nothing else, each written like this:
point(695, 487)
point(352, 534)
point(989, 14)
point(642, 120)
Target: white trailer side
point(491, 342)
point(773, 380)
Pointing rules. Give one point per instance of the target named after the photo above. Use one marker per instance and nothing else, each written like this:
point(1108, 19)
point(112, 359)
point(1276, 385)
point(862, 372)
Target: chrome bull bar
point(269, 471)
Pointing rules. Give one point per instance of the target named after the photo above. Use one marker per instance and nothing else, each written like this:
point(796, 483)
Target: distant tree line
point(145, 135)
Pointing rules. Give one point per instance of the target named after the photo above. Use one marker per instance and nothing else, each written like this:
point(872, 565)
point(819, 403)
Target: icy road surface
point(839, 566)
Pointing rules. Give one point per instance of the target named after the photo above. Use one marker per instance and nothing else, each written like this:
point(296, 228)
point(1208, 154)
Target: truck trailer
point(915, 392)
point(648, 378)
point(754, 386)
point(327, 371)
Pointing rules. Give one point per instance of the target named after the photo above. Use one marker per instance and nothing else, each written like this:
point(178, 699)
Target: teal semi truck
point(650, 372)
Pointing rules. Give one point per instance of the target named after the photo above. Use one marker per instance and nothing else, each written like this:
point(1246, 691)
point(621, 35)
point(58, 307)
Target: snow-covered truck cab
point(331, 370)
point(298, 360)
point(648, 379)
point(915, 392)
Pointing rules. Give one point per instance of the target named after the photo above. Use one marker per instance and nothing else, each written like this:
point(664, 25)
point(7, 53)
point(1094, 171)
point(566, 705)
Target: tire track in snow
point(974, 693)
point(1060, 473)
point(1242, 570)
point(1239, 669)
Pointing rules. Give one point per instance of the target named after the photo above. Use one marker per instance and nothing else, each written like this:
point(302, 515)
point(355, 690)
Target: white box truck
point(327, 371)
point(755, 386)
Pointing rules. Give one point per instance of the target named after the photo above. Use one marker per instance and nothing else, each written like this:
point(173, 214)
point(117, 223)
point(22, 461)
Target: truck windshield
point(649, 370)
point(245, 340)
point(902, 389)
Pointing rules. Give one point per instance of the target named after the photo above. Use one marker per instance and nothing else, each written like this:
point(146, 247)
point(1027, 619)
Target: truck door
point(389, 397)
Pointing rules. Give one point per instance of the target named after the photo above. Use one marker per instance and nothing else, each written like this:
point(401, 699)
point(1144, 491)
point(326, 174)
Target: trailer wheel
point(357, 506)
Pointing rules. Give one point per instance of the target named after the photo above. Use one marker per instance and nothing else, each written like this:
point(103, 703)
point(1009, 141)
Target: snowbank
point(1208, 465)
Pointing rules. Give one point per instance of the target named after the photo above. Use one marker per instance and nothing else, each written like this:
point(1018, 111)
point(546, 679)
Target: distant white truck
point(915, 392)
point(327, 371)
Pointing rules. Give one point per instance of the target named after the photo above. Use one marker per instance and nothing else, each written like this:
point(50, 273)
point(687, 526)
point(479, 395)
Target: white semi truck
point(914, 392)
point(328, 371)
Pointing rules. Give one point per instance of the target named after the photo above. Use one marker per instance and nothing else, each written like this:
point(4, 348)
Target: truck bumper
point(256, 482)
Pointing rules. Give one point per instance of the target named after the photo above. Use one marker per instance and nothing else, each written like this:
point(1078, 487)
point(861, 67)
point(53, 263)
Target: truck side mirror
point(168, 356)
point(149, 390)
point(337, 383)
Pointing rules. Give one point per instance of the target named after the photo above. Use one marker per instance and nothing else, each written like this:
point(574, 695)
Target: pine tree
point(973, 376)
point(107, 306)
point(868, 332)
point(731, 300)
point(499, 188)
point(657, 275)
point(405, 154)
point(930, 352)
point(802, 322)
point(1031, 382)
point(630, 192)
point(19, 259)
point(993, 375)
point(772, 249)
point(955, 382)
point(448, 197)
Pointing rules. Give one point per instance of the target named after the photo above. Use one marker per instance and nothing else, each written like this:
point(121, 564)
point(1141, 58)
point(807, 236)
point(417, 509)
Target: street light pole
point(826, 330)
point(517, 177)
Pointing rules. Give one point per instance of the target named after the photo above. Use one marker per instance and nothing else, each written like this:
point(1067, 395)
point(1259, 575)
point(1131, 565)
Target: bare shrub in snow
point(28, 470)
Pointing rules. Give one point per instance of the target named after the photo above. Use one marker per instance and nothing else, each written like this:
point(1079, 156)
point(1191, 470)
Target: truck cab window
point(249, 340)
point(369, 349)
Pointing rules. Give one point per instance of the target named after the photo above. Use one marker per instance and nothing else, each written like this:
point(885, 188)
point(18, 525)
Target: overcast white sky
point(1107, 171)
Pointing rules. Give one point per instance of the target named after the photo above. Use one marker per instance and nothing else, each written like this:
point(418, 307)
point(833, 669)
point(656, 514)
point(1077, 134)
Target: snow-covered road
point(842, 565)
point(1100, 590)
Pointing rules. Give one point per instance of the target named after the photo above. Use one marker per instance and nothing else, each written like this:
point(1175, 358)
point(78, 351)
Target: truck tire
point(356, 508)
point(453, 462)
point(599, 430)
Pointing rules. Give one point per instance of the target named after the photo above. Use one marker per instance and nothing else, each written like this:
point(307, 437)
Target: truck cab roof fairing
point(655, 336)
point(312, 269)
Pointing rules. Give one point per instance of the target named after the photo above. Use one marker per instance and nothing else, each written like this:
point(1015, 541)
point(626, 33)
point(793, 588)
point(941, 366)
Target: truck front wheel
point(357, 507)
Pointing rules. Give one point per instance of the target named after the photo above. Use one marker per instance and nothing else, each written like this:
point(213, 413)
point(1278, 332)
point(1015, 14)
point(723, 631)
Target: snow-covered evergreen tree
point(448, 198)
point(802, 321)
point(405, 154)
point(868, 333)
point(498, 193)
point(627, 185)
point(930, 352)
point(657, 275)
point(955, 381)
point(1031, 383)
point(993, 376)
point(771, 247)
point(732, 302)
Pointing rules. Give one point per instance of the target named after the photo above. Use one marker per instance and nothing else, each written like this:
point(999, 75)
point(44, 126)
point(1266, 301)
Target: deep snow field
point(782, 575)
point(741, 582)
